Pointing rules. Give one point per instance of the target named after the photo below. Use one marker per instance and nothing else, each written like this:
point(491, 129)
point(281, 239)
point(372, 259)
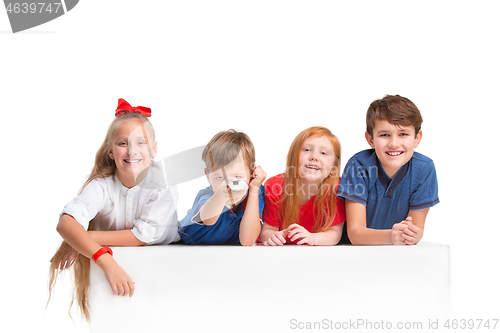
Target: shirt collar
point(388, 184)
point(125, 190)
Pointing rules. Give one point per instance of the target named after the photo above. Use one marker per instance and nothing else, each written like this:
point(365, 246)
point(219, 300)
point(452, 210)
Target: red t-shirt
point(271, 215)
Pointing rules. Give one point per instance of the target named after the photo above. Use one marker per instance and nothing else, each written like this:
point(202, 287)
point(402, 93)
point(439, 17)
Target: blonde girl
point(301, 205)
point(125, 202)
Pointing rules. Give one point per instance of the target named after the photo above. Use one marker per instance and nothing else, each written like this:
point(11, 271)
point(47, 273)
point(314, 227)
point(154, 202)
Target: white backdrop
point(270, 68)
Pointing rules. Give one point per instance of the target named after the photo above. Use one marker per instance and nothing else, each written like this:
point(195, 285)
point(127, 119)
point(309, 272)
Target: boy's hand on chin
point(258, 177)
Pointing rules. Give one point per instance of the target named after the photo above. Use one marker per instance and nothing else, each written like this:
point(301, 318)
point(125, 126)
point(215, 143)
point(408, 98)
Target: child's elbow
point(60, 228)
point(355, 237)
point(247, 242)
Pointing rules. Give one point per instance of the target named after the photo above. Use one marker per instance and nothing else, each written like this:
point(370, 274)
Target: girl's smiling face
point(132, 149)
point(316, 160)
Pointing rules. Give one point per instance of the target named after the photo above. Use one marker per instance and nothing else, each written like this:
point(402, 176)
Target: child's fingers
point(279, 235)
point(121, 289)
point(410, 241)
point(296, 234)
point(407, 223)
point(114, 289)
point(400, 226)
point(408, 238)
point(396, 236)
point(303, 241)
point(278, 239)
point(132, 288)
point(66, 264)
point(284, 233)
point(295, 228)
point(408, 232)
point(269, 242)
point(66, 261)
point(62, 264)
point(261, 172)
point(291, 233)
point(126, 288)
point(273, 240)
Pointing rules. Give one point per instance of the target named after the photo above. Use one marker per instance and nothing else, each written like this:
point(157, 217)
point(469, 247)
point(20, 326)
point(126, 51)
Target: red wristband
point(101, 251)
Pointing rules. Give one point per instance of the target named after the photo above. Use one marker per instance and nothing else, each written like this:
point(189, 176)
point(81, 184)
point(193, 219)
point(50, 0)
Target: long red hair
point(325, 201)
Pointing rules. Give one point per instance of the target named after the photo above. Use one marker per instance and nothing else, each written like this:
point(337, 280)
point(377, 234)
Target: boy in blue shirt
point(229, 210)
point(389, 189)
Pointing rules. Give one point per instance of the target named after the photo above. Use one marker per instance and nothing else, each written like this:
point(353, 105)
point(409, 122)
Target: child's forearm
point(211, 210)
point(116, 238)
point(80, 240)
point(331, 236)
point(76, 236)
point(366, 236)
point(250, 223)
point(357, 231)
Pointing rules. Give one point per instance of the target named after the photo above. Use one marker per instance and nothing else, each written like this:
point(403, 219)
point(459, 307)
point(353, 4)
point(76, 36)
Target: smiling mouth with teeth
point(312, 167)
point(132, 161)
point(395, 153)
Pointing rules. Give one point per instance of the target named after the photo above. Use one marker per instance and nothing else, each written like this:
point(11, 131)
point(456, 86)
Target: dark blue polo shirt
point(388, 201)
point(225, 231)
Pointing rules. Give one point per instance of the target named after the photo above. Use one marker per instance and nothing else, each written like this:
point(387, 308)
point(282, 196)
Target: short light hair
point(225, 146)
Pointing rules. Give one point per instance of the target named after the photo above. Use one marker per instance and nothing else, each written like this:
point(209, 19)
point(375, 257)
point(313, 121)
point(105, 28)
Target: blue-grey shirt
point(388, 201)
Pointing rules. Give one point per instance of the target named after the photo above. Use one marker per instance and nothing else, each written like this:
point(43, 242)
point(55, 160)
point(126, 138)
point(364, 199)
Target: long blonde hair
point(104, 166)
point(325, 204)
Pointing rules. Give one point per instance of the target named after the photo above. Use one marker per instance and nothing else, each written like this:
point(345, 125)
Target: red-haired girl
point(301, 205)
point(126, 201)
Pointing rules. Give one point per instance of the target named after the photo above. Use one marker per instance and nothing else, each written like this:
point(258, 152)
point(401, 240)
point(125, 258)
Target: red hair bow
point(124, 107)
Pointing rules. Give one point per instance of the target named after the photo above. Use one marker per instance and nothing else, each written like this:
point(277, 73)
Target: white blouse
point(147, 209)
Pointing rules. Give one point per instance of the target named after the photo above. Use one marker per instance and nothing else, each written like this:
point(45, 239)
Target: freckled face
point(316, 160)
point(394, 145)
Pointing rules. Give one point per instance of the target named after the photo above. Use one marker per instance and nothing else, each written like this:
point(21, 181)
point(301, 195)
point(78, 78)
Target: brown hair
point(104, 166)
point(325, 202)
point(224, 147)
point(397, 110)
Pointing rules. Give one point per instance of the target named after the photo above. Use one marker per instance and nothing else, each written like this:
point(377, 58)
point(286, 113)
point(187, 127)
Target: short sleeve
point(192, 216)
point(426, 193)
point(88, 203)
point(158, 219)
point(354, 182)
point(272, 194)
